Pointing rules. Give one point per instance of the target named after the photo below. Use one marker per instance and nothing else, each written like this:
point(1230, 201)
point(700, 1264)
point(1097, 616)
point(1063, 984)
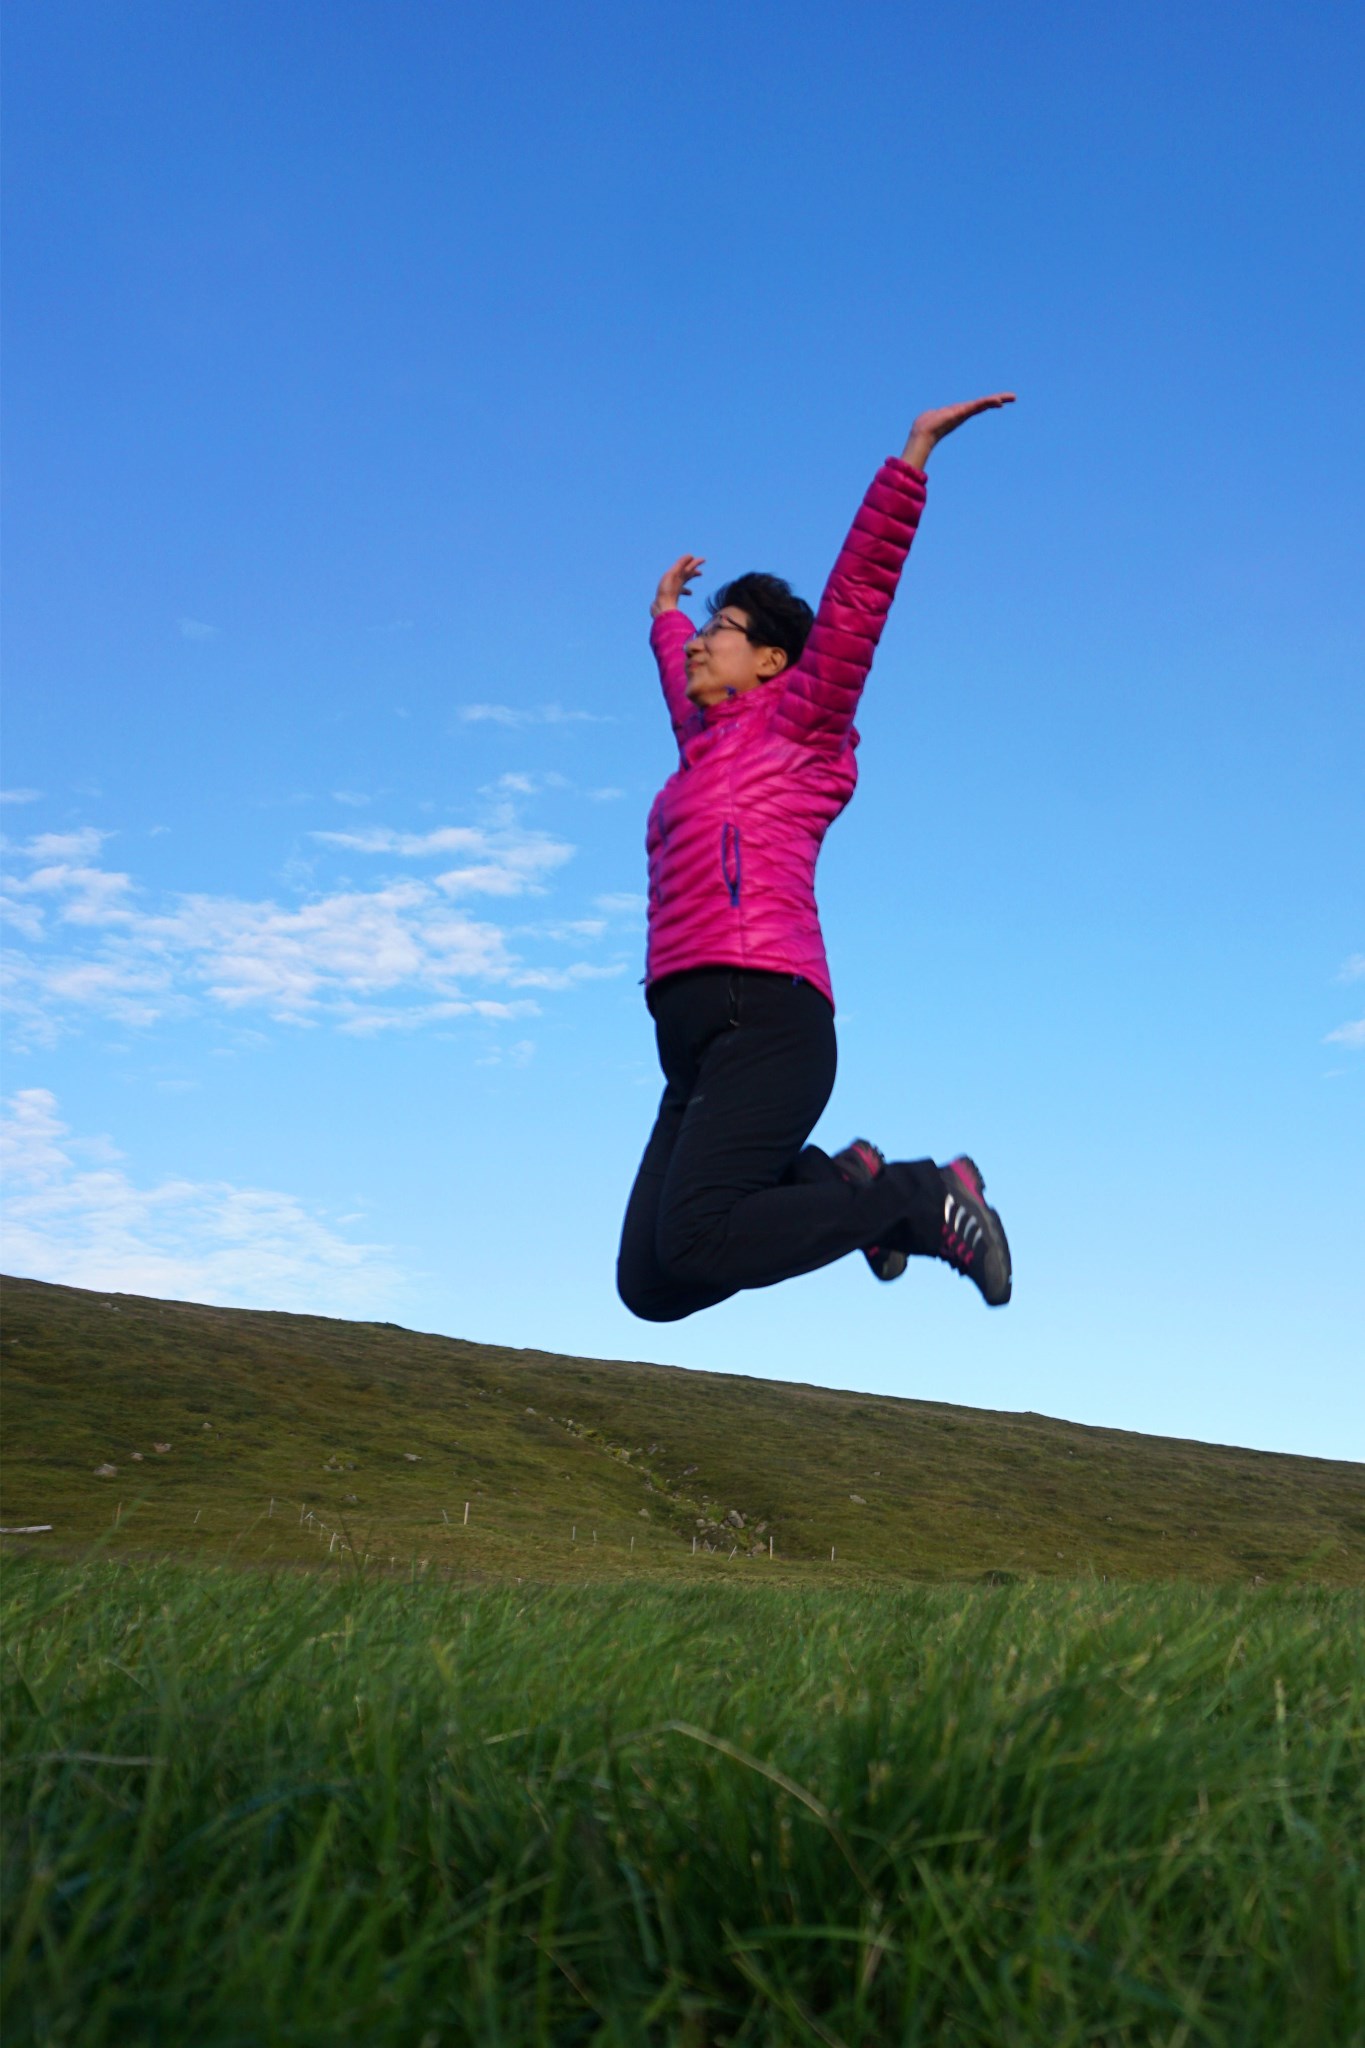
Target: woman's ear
point(771, 662)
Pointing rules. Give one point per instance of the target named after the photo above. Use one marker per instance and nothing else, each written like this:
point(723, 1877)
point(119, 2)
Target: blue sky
point(366, 364)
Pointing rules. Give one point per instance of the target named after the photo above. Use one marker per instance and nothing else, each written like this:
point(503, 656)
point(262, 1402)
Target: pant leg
point(743, 1204)
point(643, 1285)
point(697, 1007)
point(734, 1195)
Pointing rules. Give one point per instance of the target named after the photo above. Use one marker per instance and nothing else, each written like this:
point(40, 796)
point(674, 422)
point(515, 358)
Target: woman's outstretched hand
point(675, 583)
point(930, 428)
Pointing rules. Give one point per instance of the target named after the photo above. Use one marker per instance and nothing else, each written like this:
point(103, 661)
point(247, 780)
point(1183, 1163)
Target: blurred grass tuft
point(311, 1809)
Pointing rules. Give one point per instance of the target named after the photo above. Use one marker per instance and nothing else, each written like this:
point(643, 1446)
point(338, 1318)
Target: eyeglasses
point(720, 625)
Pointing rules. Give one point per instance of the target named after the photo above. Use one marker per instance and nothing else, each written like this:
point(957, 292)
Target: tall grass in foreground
point(302, 1811)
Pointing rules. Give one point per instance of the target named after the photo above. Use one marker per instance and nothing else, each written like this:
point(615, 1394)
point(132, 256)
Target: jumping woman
point(762, 698)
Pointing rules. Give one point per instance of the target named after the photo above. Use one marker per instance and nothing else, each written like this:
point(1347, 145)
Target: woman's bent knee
point(687, 1258)
point(651, 1302)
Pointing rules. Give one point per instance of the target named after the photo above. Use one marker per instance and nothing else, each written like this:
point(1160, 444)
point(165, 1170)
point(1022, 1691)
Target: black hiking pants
point(729, 1194)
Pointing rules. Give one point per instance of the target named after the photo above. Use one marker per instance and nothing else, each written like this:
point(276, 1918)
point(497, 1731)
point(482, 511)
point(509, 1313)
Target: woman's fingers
point(682, 571)
point(674, 582)
point(950, 416)
point(930, 428)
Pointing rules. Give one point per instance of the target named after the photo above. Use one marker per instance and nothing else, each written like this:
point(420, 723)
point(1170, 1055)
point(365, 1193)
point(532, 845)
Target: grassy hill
point(290, 1439)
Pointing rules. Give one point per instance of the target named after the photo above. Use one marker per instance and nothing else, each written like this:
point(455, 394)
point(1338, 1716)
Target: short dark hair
point(777, 616)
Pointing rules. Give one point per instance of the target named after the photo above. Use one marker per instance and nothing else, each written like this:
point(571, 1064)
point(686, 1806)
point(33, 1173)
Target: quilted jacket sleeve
point(668, 636)
point(822, 692)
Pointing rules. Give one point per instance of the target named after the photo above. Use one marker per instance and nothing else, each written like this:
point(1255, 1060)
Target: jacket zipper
point(731, 867)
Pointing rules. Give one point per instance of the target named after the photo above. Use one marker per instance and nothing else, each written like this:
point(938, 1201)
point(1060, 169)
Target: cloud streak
point(503, 863)
point(400, 954)
point(519, 715)
point(1352, 1034)
point(85, 1222)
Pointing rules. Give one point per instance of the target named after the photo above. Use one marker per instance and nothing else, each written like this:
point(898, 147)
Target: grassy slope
point(539, 1444)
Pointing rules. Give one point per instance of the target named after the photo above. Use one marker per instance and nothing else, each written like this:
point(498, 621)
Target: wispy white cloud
point(21, 917)
point(525, 714)
point(411, 845)
point(41, 994)
point(567, 977)
point(196, 629)
point(519, 782)
point(622, 903)
point(354, 797)
point(372, 1020)
point(85, 895)
point(75, 1215)
point(397, 955)
point(83, 844)
point(519, 1054)
point(503, 862)
point(1351, 1035)
point(20, 796)
point(569, 930)
point(61, 879)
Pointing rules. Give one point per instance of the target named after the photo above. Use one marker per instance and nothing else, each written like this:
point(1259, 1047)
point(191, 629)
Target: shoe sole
point(886, 1265)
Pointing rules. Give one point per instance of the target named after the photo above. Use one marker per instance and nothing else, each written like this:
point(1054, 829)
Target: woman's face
point(723, 662)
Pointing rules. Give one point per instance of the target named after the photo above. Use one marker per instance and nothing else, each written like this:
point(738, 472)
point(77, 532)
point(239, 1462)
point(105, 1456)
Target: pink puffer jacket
point(735, 831)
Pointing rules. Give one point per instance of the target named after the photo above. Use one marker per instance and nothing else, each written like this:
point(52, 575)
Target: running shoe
point(861, 1162)
point(973, 1239)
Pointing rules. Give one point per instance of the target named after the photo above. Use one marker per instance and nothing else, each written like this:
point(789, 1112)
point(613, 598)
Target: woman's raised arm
point(669, 635)
point(821, 695)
